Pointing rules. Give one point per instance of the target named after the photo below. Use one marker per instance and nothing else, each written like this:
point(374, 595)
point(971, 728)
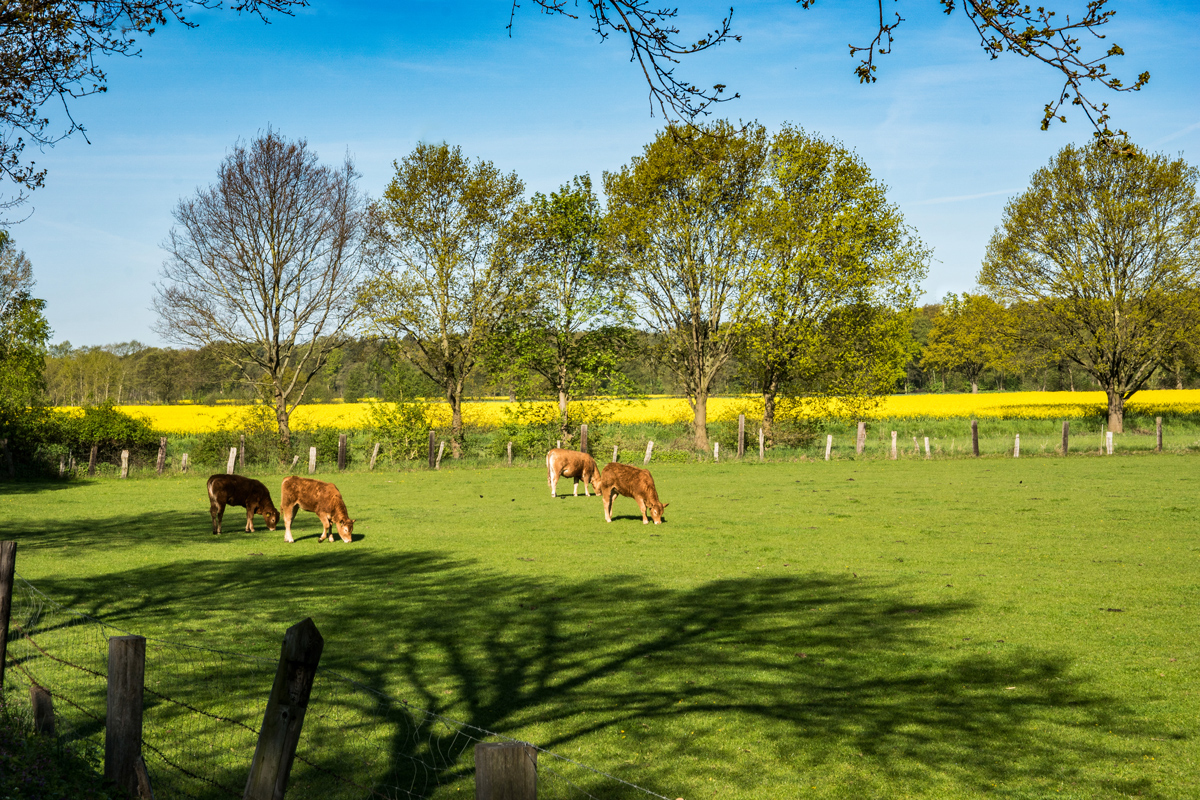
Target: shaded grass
point(853, 629)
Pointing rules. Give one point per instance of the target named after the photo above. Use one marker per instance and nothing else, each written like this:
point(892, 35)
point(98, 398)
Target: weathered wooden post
point(8, 457)
point(441, 449)
point(123, 763)
point(1066, 437)
point(762, 453)
point(614, 458)
point(716, 451)
point(62, 466)
point(295, 461)
point(828, 445)
point(161, 464)
point(916, 447)
point(242, 452)
point(284, 717)
point(71, 465)
point(975, 436)
point(583, 438)
point(861, 441)
point(374, 456)
point(1017, 446)
point(43, 709)
point(741, 435)
point(432, 451)
point(124, 463)
point(927, 447)
point(92, 460)
point(341, 452)
point(1108, 442)
point(8, 566)
point(312, 460)
point(649, 452)
point(510, 453)
point(183, 465)
point(233, 451)
point(893, 445)
point(1158, 433)
point(505, 771)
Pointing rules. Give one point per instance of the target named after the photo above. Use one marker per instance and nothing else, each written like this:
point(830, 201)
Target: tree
point(574, 331)
point(831, 248)
point(657, 45)
point(682, 216)
point(264, 265)
point(971, 334)
point(444, 277)
point(1107, 245)
point(51, 50)
point(24, 335)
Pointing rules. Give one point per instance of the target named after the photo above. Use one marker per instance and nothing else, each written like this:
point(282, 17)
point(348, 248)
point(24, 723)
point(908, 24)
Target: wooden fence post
point(8, 458)
point(614, 458)
point(505, 771)
point(43, 709)
point(762, 453)
point(741, 435)
point(828, 445)
point(8, 566)
point(233, 451)
point(716, 451)
point(1017, 446)
point(649, 452)
point(161, 464)
point(124, 463)
point(183, 463)
point(432, 454)
point(583, 438)
point(295, 461)
point(341, 452)
point(893, 445)
point(284, 717)
point(374, 455)
point(312, 460)
point(510, 453)
point(916, 447)
point(92, 460)
point(441, 449)
point(1066, 436)
point(71, 466)
point(1158, 433)
point(62, 466)
point(559, 444)
point(975, 437)
point(242, 452)
point(123, 763)
point(861, 441)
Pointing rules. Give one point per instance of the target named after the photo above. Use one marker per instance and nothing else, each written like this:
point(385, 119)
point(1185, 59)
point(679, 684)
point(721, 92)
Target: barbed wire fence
point(203, 708)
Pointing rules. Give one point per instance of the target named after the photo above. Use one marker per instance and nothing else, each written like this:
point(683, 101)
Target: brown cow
point(320, 497)
point(622, 479)
point(238, 490)
point(571, 464)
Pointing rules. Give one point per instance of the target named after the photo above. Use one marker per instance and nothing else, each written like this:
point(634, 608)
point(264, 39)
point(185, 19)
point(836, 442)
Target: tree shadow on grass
point(809, 675)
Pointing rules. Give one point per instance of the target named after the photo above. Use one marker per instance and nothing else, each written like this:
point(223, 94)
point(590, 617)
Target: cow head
point(656, 511)
point(271, 515)
point(345, 528)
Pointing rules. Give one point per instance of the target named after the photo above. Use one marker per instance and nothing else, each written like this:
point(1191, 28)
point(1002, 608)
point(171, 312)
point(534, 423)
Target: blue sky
point(951, 133)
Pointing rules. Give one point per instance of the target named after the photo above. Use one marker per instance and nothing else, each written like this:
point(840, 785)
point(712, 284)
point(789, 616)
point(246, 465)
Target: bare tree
point(264, 264)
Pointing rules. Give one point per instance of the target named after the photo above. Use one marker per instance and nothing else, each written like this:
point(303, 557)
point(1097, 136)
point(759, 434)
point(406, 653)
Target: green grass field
point(1012, 628)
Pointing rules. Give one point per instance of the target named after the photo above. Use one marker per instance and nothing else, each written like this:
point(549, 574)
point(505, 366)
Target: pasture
point(960, 628)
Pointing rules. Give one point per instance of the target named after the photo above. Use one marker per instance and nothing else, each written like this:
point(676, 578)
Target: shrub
point(531, 427)
point(403, 428)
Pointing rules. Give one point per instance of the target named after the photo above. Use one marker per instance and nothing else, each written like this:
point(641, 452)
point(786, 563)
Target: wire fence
point(202, 709)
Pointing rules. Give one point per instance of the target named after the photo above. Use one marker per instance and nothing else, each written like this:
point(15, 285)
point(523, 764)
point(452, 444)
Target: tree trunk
point(769, 415)
point(974, 386)
point(701, 424)
point(562, 414)
point(1116, 411)
point(281, 416)
point(456, 425)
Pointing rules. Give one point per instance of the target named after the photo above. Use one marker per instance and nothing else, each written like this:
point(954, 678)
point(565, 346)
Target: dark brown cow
point(571, 464)
point(622, 479)
point(238, 490)
point(320, 497)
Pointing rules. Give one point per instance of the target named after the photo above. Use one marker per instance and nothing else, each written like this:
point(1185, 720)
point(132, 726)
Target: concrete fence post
point(927, 455)
point(510, 454)
point(505, 771)
point(893, 445)
point(860, 442)
point(649, 452)
point(614, 458)
point(828, 445)
point(716, 451)
point(762, 453)
point(312, 460)
point(284, 717)
point(1108, 442)
point(124, 463)
point(1017, 446)
point(233, 451)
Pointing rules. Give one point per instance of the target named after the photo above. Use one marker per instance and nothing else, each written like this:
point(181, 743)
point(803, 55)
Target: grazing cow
point(571, 464)
point(320, 497)
point(622, 479)
point(238, 490)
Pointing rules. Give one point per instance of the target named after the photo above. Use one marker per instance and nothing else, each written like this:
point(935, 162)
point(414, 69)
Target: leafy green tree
point(1105, 246)
point(444, 276)
point(681, 217)
point(24, 334)
point(831, 247)
point(972, 334)
point(575, 329)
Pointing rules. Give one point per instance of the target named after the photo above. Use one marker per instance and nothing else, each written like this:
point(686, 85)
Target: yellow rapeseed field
point(490, 413)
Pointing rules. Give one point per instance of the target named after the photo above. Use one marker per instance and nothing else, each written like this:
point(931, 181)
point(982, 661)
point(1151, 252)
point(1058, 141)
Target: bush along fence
point(182, 721)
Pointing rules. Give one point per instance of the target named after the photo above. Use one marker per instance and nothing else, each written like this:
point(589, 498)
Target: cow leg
point(642, 506)
point(217, 511)
point(554, 484)
point(250, 519)
point(324, 528)
point(574, 487)
point(608, 501)
point(288, 514)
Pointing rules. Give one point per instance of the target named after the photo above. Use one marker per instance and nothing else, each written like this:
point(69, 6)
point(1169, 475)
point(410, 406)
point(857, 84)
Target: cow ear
point(666, 504)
